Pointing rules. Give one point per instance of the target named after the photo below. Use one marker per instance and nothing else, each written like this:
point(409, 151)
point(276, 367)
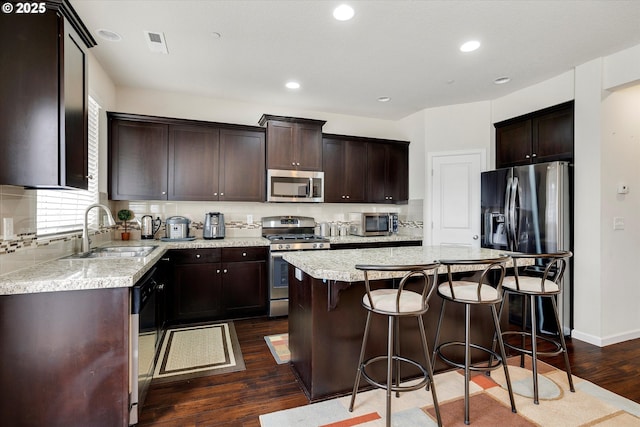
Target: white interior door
point(455, 197)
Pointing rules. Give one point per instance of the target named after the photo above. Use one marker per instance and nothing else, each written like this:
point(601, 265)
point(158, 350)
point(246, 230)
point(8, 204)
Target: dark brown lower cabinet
point(210, 284)
point(64, 358)
point(244, 287)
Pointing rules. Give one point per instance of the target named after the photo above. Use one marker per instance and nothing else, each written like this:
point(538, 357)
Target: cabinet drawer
point(253, 253)
point(195, 256)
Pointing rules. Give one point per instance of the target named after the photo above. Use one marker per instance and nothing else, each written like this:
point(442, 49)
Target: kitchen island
point(326, 319)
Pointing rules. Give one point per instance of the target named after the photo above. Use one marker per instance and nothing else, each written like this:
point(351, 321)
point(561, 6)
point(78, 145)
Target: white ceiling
point(406, 50)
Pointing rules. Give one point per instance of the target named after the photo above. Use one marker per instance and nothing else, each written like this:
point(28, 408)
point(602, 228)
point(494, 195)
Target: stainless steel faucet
point(86, 243)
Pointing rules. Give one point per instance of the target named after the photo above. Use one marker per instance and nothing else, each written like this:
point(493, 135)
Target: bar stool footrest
point(515, 347)
point(495, 359)
point(401, 388)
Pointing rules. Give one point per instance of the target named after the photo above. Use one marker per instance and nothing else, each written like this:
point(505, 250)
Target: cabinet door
point(345, 170)
point(197, 291)
point(294, 146)
point(397, 173)
point(244, 288)
point(242, 166)
point(138, 160)
point(334, 170)
point(376, 173)
point(513, 144)
point(43, 131)
point(193, 162)
point(387, 172)
point(280, 145)
point(76, 150)
point(308, 147)
point(553, 136)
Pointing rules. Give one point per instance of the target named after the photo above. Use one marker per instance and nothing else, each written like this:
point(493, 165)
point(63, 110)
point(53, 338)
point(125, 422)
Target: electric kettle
point(149, 226)
point(213, 226)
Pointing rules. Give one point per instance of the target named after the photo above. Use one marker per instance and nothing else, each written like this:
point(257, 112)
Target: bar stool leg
point(437, 339)
point(467, 359)
point(524, 327)
point(563, 343)
point(425, 346)
point(503, 354)
point(359, 372)
point(390, 341)
point(397, 351)
point(534, 348)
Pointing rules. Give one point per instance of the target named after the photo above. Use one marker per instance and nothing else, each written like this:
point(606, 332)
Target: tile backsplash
point(23, 248)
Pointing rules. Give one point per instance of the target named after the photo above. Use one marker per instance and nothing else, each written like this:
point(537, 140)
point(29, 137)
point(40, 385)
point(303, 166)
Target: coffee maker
point(213, 226)
point(149, 226)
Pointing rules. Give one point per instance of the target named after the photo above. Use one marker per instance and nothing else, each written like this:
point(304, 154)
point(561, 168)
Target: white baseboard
point(605, 341)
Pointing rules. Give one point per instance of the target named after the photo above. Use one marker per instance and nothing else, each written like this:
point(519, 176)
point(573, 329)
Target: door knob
point(475, 237)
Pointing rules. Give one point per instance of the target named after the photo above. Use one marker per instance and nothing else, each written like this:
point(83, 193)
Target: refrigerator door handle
point(507, 210)
point(512, 213)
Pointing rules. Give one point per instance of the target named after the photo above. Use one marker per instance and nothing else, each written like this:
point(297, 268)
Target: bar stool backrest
point(428, 273)
point(552, 266)
point(490, 265)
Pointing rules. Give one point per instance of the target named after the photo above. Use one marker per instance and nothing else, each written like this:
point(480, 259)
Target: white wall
point(620, 249)
point(170, 104)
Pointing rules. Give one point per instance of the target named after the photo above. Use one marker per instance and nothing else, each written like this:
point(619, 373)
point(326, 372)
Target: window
point(60, 211)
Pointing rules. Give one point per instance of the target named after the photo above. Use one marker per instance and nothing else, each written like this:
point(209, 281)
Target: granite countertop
point(340, 264)
point(66, 274)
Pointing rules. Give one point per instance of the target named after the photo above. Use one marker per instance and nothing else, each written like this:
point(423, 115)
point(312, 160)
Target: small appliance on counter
point(213, 226)
point(373, 223)
point(177, 228)
point(149, 226)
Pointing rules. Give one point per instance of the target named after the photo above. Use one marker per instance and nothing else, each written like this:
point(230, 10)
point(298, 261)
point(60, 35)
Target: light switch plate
point(618, 223)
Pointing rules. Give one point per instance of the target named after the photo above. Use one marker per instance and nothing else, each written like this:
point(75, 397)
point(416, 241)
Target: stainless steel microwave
point(373, 223)
point(295, 186)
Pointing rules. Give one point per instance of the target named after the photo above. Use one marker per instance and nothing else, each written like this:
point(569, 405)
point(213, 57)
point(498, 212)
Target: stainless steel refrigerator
point(529, 209)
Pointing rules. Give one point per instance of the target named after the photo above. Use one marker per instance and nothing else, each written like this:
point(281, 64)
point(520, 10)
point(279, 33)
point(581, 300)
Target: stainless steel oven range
point(287, 233)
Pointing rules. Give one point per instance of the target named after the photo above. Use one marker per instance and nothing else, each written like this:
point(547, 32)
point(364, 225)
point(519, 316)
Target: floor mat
point(279, 346)
point(197, 351)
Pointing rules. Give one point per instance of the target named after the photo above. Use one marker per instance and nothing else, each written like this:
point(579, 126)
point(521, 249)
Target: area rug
point(590, 405)
point(197, 351)
point(279, 346)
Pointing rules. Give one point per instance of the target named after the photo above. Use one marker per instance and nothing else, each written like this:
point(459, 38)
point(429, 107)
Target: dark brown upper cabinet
point(293, 143)
point(345, 169)
point(388, 172)
point(543, 136)
point(43, 131)
point(156, 158)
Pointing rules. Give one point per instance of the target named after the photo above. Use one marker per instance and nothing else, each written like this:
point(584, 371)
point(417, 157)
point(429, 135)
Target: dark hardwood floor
point(238, 398)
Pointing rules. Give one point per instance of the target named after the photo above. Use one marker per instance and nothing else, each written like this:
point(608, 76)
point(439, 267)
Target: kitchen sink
point(115, 252)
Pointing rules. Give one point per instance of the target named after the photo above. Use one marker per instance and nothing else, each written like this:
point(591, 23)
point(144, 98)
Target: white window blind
point(61, 211)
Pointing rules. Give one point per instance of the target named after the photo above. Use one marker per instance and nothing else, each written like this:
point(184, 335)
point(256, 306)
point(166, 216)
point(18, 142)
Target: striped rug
point(279, 347)
point(590, 405)
point(197, 351)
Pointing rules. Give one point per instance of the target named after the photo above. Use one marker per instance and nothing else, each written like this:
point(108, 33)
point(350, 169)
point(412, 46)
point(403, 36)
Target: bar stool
point(473, 293)
point(542, 280)
point(395, 304)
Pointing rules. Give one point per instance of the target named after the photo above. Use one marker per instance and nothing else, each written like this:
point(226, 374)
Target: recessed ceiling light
point(470, 46)
point(384, 99)
point(344, 12)
point(502, 80)
point(109, 35)
point(292, 85)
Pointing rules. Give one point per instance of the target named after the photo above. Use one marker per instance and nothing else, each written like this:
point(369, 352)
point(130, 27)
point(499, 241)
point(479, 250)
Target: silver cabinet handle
point(244, 254)
point(218, 271)
point(197, 255)
point(164, 192)
point(222, 194)
point(534, 155)
point(224, 271)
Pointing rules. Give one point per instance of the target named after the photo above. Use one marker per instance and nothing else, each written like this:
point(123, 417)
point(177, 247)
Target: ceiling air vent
point(156, 42)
